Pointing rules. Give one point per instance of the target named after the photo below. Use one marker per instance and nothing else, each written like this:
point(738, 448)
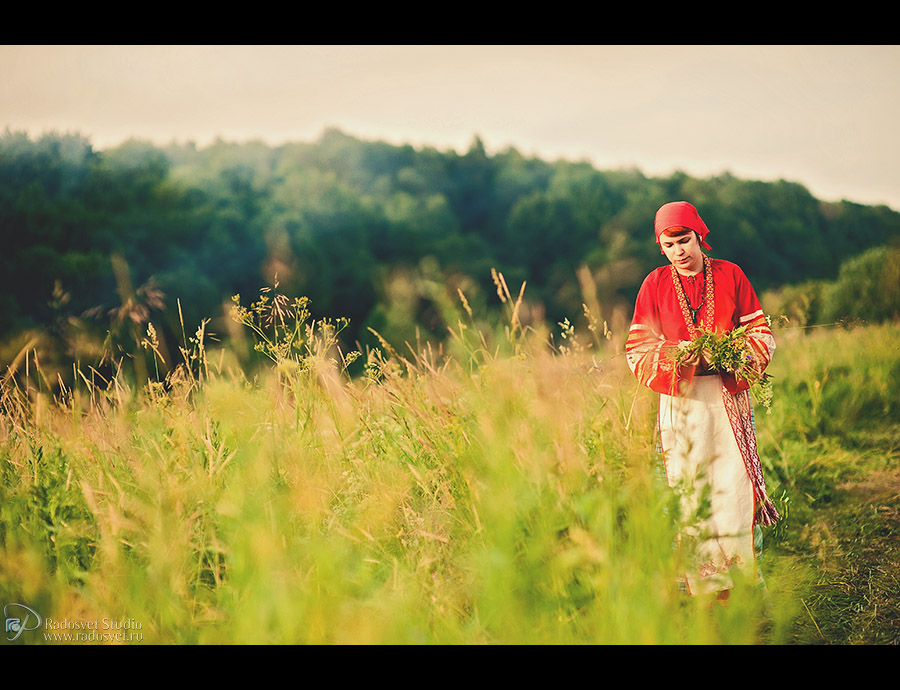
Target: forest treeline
point(386, 234)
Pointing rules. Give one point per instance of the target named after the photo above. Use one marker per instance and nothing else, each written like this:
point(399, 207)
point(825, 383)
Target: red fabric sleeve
point(750, 313)
point(650, 355)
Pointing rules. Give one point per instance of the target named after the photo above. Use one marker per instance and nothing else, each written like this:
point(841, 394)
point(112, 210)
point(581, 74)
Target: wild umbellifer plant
point(282, 329)
point(276, 321)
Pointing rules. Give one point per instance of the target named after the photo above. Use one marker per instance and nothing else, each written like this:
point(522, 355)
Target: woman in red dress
point(706, 424)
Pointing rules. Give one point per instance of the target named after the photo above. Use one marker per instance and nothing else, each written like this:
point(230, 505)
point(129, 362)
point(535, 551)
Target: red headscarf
point(680, 213)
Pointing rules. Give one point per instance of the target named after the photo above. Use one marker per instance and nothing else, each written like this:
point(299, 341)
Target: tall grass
point(497, 491)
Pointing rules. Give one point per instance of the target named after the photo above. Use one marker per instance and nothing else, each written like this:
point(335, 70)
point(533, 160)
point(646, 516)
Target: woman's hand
point(698, 358)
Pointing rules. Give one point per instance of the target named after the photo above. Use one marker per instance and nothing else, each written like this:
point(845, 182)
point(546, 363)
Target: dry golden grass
point(496, 490)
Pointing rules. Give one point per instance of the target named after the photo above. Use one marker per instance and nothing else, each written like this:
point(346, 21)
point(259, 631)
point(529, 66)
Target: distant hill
point(379, 233)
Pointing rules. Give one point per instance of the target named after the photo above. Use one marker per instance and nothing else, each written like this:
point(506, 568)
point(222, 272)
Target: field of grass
point(493, 491)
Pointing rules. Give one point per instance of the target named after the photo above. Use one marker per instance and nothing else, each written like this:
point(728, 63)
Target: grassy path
point(833, 446)
point(856, 543)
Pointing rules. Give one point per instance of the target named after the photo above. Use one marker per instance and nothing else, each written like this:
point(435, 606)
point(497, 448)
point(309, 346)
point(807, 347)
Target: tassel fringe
point(767, 515)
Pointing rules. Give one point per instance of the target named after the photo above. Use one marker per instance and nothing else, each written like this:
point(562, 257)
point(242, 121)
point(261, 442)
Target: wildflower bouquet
point(730, 352)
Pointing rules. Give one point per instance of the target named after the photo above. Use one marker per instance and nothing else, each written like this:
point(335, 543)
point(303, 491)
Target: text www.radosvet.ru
point(93, 636)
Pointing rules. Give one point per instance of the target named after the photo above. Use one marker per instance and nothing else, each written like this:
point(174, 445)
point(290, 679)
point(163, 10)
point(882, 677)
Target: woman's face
point(683, 251)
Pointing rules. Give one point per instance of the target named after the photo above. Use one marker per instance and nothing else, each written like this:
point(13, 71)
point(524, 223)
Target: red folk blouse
point(722, 299)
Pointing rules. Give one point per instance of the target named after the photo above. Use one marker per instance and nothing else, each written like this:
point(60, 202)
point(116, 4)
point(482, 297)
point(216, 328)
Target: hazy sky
point(824, 116)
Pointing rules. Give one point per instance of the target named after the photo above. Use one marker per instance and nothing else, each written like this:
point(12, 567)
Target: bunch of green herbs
point(730, 352)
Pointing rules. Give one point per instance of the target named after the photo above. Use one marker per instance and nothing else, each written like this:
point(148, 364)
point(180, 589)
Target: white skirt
point(703, 462)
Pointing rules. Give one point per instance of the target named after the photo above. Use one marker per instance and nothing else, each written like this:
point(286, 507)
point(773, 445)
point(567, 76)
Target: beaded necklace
point(708, 299)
